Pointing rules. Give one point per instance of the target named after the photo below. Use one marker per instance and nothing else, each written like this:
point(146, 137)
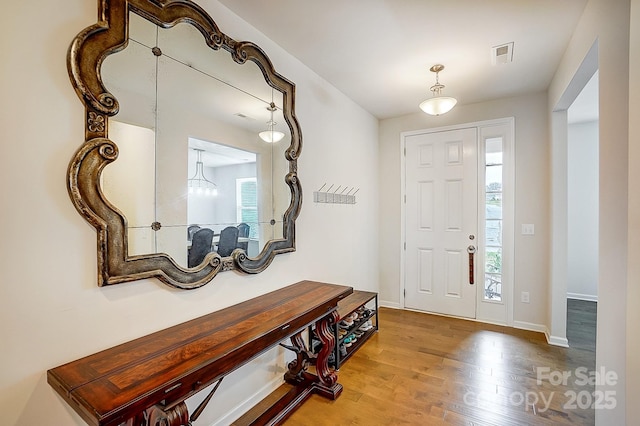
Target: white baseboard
point(233, 414)
point(552, 340)
point(556, 341)
point(387, 304)
point(579, 296)
point(530, 326)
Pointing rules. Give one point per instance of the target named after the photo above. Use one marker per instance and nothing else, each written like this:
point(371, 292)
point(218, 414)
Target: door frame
point(490, 312)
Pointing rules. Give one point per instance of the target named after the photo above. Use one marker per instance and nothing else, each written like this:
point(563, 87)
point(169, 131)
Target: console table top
point(170, 365)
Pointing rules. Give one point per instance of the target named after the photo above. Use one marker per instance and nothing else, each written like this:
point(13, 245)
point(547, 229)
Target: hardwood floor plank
point(422, 369)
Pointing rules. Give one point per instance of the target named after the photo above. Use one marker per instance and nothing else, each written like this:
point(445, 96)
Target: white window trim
point(500, 312)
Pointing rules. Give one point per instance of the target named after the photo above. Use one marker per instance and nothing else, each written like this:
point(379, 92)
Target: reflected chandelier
point(199, 184)
point(438, 104)
point(270, 135)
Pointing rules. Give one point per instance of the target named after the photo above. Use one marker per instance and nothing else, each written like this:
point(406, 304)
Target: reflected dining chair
point(200, 246)
point(243, 231)
point(192, 229)
point(228, 241)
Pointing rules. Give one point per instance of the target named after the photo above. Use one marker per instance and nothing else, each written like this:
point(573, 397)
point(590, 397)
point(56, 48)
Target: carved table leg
point(327, 386)
point(141, 419)
point(176, 416)
point(298, 366)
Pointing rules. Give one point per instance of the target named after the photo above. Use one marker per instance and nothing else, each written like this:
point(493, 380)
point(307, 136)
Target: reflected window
point(247, 204)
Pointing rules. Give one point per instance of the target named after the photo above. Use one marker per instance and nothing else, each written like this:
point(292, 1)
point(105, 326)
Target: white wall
point(607, 23)
point(51, 309)
point(532, 195)
point(582, 210)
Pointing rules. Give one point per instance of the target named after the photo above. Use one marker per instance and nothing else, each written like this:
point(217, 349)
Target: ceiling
point(378, 52)
point(217, 155)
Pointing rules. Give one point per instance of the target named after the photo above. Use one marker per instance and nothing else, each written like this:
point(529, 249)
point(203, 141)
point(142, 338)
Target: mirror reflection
point(189, 113)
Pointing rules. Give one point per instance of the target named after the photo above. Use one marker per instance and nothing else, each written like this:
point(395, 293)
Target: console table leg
point(141, 419)
point(327, 386)
point(176, 416)
point(298, 366)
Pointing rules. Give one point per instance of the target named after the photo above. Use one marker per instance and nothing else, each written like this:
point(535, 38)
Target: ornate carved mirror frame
point(86, 54)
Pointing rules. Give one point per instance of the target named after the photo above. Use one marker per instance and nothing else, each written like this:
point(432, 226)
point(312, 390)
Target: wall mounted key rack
point(341, 195)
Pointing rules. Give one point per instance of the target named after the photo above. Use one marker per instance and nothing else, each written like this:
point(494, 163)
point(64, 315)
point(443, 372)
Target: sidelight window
point(493, 219)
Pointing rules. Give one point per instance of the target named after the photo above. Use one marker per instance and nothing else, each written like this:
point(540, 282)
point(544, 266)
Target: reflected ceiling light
point(199, 184)
point(270, 135)
point(438, 104)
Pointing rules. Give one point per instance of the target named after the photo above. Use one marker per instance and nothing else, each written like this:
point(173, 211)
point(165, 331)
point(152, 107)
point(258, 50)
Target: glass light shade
point(271, 136)
point(439, 105)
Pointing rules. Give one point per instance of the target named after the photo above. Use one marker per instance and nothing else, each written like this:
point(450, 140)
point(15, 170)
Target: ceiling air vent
point(502, 54)
point(244, 116)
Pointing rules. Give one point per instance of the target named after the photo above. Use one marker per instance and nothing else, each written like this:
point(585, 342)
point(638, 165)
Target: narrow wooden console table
point(146, 381)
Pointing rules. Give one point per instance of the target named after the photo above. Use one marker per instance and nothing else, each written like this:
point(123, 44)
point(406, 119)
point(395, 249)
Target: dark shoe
point(343, 351)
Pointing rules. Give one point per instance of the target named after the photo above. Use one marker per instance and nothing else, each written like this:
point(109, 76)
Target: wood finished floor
point(422, 369)
point(581, 324)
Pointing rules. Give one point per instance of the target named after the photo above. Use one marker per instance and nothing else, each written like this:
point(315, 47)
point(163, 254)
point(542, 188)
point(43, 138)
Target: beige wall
point(532, 195)
point(51, 309)
point(633, 289)
point(606, 22)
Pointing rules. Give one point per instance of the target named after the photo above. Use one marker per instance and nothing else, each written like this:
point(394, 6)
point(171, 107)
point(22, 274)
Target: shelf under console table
point(146, 381)
point(355, 301)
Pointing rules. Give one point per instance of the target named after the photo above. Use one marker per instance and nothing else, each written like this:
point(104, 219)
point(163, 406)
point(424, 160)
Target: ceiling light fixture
point(270, 135)
point(438, 104)
point(199, 184)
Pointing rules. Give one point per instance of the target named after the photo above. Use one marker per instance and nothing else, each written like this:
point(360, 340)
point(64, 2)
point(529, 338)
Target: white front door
point(441, 219)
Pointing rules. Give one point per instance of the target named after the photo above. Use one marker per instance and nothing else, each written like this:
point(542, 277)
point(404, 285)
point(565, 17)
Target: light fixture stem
point(438, 104)
point(271, 135)
point(199, 180)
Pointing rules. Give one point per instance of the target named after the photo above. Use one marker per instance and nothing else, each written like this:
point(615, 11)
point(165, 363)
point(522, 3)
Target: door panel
point(441, 214)
point(453, 278)
point(426, 271)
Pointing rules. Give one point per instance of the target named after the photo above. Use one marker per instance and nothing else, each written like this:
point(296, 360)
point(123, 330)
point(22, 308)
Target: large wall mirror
point(189, 165)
